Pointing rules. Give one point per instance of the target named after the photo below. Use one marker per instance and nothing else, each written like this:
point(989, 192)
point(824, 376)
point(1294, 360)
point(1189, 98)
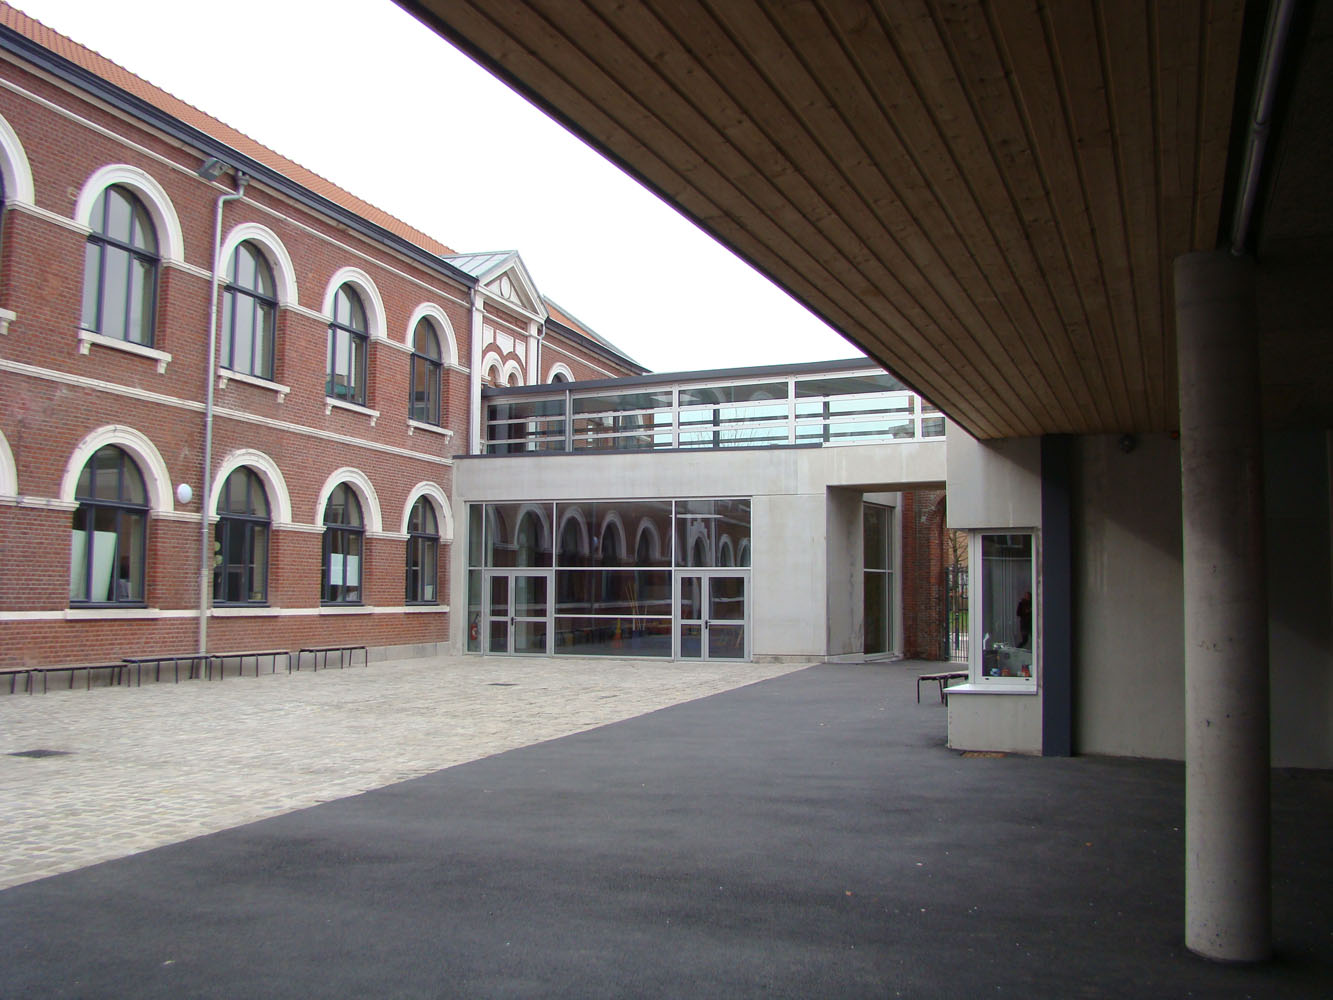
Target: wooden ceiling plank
point(881, 162)
point(897, 273)
point(525, 64)
point(907, 66)
point(1080, 53)
point(1131, 45)
point(909, 212)
point(1037, 92)
point(1016, 209)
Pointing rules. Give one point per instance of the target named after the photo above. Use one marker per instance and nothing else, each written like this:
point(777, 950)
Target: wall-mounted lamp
point(183, 493)
point(1128, 442)
point(212, 168)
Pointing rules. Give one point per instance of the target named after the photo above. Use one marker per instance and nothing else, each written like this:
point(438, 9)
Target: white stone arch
point(170, 242)
point(560, 368)
point(433, 493)
point(279, 498)
point(743, 553)
point(9, 473)
point(436, 315)
point(284, 273)
point(575, 514)
point(157, 480)
point(725, 548)
point(613, 522)
point(511, 369)
point(647, 527)
point(492, 362)
point(542, 514)
point(14, 167)
point(698, 534)
point(370, 297)
point(365, 492)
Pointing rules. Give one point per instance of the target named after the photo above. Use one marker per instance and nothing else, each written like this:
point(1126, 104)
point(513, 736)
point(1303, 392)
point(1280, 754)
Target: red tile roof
point(118, 76)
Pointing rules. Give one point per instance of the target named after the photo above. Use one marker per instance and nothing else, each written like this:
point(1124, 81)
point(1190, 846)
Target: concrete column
point(1227, 885)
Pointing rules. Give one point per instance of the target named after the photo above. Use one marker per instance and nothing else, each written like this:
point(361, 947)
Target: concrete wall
point(806, 598)
point(994, 484)
point(1129, 683)
point(1128, 601)
point(1298, 497)
point(844, 568)
point(990, 721)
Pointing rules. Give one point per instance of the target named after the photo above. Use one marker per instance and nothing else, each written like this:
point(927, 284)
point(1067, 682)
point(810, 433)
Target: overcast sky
point(362, 93)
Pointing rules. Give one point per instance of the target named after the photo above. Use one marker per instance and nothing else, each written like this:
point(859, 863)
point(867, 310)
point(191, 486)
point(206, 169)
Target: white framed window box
point(1004, 625)
point(87, 339)
point(331, 404)
point(226, 375)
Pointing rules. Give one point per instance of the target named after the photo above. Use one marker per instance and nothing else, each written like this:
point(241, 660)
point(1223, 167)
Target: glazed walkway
point(805, 836)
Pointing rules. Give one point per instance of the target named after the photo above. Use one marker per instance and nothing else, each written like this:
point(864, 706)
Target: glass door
point(712, 615)
point(518, 612)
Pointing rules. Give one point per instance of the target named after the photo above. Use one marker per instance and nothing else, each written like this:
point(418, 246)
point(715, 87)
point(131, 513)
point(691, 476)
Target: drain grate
point(503, 684)
point(987, 754)
point(40, 753)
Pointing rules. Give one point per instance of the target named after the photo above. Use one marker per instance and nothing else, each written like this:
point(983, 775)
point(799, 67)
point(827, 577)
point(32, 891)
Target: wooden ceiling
point(986, 197)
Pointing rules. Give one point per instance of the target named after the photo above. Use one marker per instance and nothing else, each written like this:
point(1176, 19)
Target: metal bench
point(115, 671)
point(221, 660)
point(942, 679)
point(195, 661)
point(346, 654)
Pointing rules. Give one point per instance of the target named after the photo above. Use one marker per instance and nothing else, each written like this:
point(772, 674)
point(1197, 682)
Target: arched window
point(107, 548)
point(423, 554)
point(343, 531)
point(120, 269)
point(348, 335)
point(249, 313)
point(559, 377)
point(240, 541)
point(426, 373)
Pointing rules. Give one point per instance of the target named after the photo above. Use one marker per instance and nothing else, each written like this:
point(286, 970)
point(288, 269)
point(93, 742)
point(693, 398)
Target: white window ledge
point(87, 338)
point(226, 375)
point(417, 425)
point(331, 404)
point(347, 609)
point(971, 687)
point(244, 611)
point(110, 613)
point(7, 316)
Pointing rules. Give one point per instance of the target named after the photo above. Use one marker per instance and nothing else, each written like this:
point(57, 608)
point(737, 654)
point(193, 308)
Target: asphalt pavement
point(807, 835)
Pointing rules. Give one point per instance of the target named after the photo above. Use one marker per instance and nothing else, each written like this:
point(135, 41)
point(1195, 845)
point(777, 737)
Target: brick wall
point(53, 395)
point(922, 518)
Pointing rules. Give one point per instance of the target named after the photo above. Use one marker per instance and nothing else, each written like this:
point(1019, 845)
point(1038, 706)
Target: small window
point(120, 267)
point(559, 377)
point(1002, 584)
point(108, 543)
point(344, 529)
point(348, 337)
point(240, 541)
point(249, 313)
point(423, 554)
point(426, 368)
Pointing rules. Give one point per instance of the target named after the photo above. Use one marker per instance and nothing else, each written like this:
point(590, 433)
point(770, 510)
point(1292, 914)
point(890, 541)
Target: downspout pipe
point(1261, 121)
point(206, 490)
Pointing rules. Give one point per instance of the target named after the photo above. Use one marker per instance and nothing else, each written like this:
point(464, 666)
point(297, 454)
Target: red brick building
point(305, 461)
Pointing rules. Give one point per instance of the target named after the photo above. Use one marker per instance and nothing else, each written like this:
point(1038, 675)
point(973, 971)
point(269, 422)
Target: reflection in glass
point(1006, 606)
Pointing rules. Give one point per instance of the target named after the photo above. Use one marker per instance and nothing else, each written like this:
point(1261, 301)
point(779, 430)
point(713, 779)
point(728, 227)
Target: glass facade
point(862, 407)
point(612, 568)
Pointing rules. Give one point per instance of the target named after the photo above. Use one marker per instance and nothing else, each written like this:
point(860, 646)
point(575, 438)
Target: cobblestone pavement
point(153, 765)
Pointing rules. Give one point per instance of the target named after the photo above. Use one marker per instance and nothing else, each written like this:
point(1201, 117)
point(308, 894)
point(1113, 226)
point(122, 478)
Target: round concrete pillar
point(1227, 821)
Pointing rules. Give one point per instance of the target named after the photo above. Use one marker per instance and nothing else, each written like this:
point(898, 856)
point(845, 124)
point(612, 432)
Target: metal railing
point(837, 406)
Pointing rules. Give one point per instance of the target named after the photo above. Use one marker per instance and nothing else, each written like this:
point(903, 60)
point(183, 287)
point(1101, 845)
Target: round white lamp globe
point(183, 493)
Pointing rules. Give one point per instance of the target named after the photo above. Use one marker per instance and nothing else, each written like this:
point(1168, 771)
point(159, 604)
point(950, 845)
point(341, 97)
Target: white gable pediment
point(508, 284)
